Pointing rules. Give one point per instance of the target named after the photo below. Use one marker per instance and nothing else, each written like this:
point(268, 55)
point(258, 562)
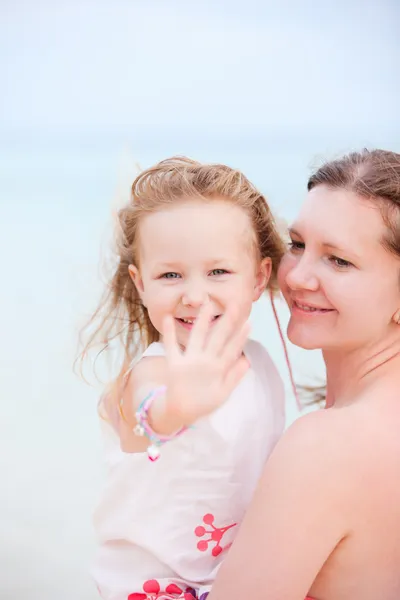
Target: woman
point(325, 521)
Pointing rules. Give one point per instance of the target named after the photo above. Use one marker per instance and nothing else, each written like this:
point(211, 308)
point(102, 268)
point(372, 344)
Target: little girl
point(197, 407)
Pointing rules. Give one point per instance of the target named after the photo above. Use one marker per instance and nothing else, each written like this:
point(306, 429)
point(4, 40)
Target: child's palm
point(201, 378)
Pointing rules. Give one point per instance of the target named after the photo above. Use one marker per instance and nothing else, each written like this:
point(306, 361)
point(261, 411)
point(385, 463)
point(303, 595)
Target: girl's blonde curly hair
point(120, 314)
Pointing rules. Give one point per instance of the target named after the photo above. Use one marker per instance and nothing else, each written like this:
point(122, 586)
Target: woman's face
point(341, 285)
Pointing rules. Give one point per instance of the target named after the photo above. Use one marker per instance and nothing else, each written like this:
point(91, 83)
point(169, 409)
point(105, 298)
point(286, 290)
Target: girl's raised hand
point(201, 377)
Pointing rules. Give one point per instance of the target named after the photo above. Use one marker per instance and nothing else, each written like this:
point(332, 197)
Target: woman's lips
point(304, 308)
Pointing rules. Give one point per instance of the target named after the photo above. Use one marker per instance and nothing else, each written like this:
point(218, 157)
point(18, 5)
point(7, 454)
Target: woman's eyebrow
point(341, 250)
point(330, 245)
point(293, 231)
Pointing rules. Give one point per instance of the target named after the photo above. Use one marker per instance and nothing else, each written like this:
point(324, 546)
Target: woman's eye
point(218, 272)
point(340, 262)
point(296, 246)
point(170, 276)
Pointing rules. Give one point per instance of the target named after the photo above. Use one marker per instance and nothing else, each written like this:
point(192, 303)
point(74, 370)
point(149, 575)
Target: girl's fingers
point(172, 349)
point(222, 332)
point(200, 328)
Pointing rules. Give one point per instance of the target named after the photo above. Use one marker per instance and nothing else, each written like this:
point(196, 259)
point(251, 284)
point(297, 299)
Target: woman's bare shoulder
point(352, 442)
point(319, 449)
point(317, 429)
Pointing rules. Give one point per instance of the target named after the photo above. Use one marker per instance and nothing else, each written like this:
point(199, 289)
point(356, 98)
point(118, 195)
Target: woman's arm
point(298, 516)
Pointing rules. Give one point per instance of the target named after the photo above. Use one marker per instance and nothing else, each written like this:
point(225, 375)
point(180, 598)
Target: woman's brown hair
point(373, 175)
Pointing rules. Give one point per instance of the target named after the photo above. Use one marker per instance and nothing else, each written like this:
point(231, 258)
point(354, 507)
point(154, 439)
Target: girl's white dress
point(164, 527)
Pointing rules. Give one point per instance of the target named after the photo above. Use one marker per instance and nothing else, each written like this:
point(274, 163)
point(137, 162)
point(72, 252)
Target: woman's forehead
point(339, 217)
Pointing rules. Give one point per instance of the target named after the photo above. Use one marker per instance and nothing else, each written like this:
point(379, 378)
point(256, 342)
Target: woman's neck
point(350, 373)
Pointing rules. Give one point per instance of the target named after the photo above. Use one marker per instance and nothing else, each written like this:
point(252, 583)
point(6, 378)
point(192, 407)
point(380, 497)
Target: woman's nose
point(302, 276)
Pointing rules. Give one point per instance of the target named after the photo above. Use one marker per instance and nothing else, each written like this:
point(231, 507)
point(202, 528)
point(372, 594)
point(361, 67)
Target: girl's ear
point(262, 277)
point(136, 277)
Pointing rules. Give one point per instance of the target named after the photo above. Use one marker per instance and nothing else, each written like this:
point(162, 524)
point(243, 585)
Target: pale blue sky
point(291, 66)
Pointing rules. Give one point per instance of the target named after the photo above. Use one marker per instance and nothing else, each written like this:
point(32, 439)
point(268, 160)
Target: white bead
point(153, 453)
point(138, 430)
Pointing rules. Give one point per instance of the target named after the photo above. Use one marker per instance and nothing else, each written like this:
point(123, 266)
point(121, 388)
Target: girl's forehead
point(217, 223)
point(208, 231)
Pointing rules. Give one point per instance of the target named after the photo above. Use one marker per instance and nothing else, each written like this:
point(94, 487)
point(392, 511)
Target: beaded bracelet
point(143, 427)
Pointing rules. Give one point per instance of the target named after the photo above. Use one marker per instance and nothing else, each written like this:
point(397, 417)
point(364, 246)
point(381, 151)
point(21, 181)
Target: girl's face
point(341, 285)
point(197, 252)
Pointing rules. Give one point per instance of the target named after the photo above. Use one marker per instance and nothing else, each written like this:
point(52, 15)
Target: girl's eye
point(170, 276)
point(218, 272)
point(296, 246)
point(340, 262)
